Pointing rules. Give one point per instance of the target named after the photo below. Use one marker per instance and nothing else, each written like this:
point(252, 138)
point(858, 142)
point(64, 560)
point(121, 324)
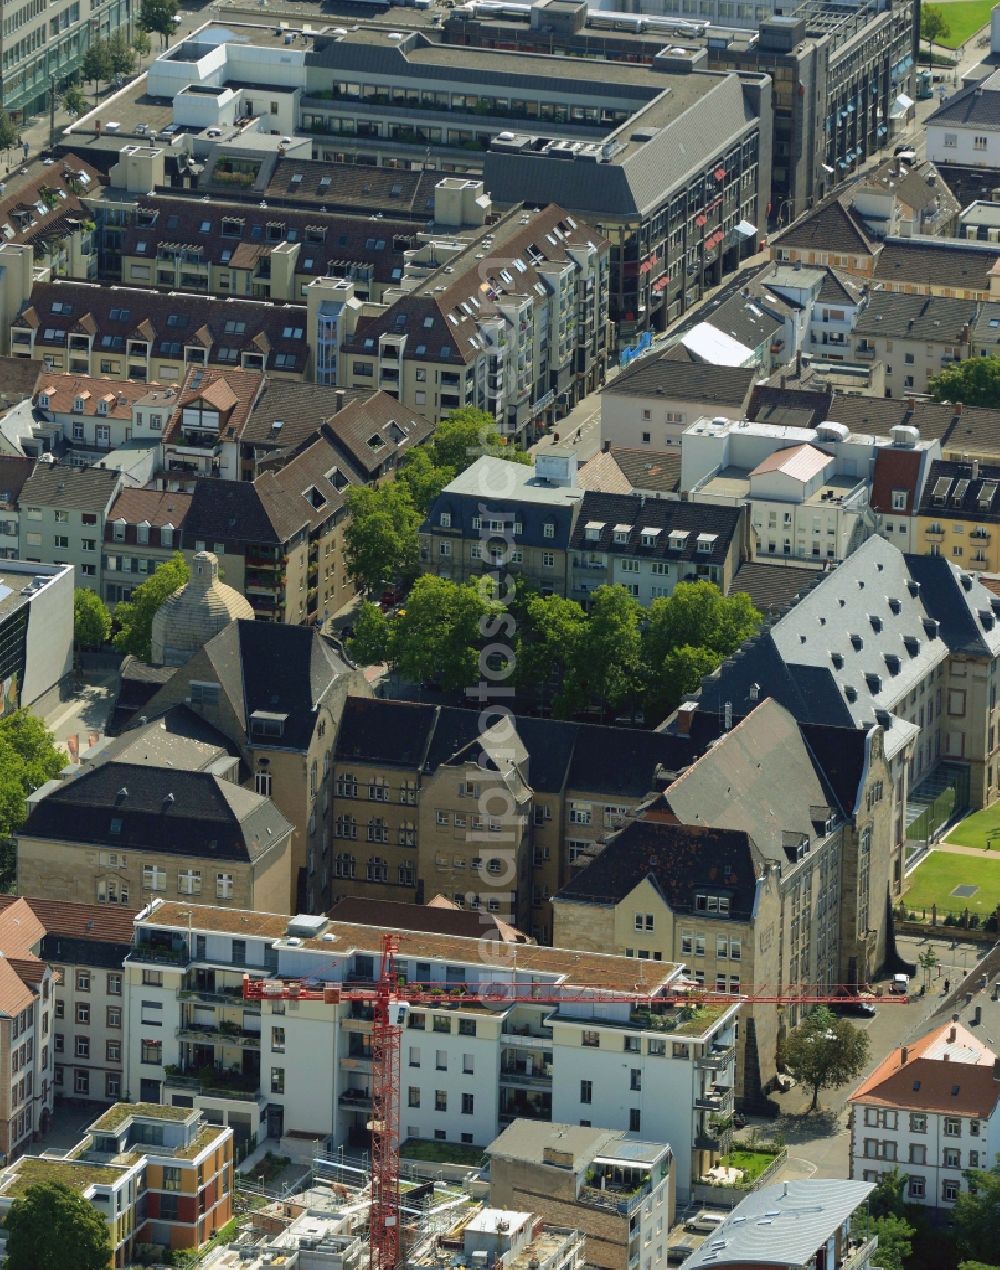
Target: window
point(152, 1052)
point(154, 878)
point(952, 1158)
point(590, 1038)
point(635, 1079)
point(634, 1120)
point(918, 1122)
point(467, 1104)
point(114, 985)
point(440, 1100)
point(952, 1127)
point(467, 1027)
point(278, 1039)
point(979, 143)
point(83, 981)
point(82, 1047)
point(950, 1189)
point(189, 882)
point(586, 1091)
point(83, 1012)
point(915, 1187)
point(81, 1082)
point(152, 978)
point(114, 1016)
point(413, 1096)
point(112, 1051)
point(224, 886)
point(112, 891)
point(899, 500)
point(277, 1080)
point(644, 921)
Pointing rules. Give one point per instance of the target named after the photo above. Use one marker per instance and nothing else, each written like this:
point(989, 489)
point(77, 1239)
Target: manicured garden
point(964, 18)
point(976, 830)
point(936, 879)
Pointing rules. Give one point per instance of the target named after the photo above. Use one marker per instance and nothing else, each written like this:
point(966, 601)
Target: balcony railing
point(615, 1198)
point(715, 1059)
point(720, 1102)
point(215, 1082)
point(858, 1256)
point(360, 1098)
point(219, 1036)
point(158, 954)
point(527, 1078)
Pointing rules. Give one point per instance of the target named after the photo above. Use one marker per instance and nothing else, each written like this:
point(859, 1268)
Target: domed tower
point(197, 611)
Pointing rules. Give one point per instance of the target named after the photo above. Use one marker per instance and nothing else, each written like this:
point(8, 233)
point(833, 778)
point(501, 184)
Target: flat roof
point(498, 479)
point(17, 576)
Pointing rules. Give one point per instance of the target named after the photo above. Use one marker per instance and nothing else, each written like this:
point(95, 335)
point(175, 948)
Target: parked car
point(900, 984)
point(853, 1008)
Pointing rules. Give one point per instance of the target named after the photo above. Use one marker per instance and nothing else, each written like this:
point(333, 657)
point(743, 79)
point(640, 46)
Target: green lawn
point(975, 829)
point(434, 1152)
point(753, 1163)
point(964, 18)
point(935, 878)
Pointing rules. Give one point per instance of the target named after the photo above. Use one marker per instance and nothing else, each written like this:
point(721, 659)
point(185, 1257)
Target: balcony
point(866, 354)
point(857, 1256)
point(226, 996)
point(934, 531)
point(719, 1101)
point(617, 1197)
point(524, 1076)
point(159, 954)
point(525, 1036)
point(358, 1099)
point(980, 535)
point(221, 1034)
point(717, 1059)
point(219, 1082)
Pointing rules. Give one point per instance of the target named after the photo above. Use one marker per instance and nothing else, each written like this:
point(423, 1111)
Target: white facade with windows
point(465, 1071)
point(930, 1110)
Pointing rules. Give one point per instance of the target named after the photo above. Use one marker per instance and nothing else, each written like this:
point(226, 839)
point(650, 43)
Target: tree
point(134, 617)
point(141, 43)
point(977, 1265)
point(438, 636)
point(158, 16)
point(91, 619)
point(74, 99)
point(52, 1227)
point(895, 1240)
point(697, 614)
point(369, 645)
point(825, 1051)
point(603, 666)
point(424, 477)
point(8, 133)
point(96, 66)
point(121, 53)
point(546, 640)
point(887, 1199)
point(681, 674)
point(380, 543)
point(976, 1214)
point(974, 382)
point(933, 25)
point(462, 436)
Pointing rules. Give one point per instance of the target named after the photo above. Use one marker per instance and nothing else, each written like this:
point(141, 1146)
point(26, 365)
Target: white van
point(705, 1223)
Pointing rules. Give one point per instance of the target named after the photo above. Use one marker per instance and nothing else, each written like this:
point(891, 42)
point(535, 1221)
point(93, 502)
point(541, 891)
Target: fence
point(934, 816)
point(721, 1196)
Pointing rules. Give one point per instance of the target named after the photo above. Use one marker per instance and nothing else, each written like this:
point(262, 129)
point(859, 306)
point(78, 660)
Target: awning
point(904, 101)
point(826, 168)
point(746, 229)
point(900, 106)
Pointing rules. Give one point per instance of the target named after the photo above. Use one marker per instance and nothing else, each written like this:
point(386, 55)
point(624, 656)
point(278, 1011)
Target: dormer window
point(706, 543)
point(119, 529)
point(592, 531)
point(549, 529)
point(142, 532)
point(446, 520)
point(79, 403)
point(622, 532)
point(43, 400)
point(648, 537)
point(166, 536)
point(102, 407)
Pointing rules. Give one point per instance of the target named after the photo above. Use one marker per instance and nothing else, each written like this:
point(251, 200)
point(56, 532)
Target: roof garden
point(118, 1115)
point(32, 1169)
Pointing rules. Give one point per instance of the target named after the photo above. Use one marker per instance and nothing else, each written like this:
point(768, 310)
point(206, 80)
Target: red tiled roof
point(895, 470)
point(81, 921)
point(20, 928)
point(932, 1075)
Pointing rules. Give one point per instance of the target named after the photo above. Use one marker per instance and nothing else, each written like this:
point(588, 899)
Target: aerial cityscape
point(500, 635)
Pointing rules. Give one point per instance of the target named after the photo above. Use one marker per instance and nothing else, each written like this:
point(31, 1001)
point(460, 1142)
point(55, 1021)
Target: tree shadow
point(803, 1126)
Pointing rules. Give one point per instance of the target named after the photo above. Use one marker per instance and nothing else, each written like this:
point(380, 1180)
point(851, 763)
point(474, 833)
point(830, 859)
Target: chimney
point(947, 1057)
point(958, 408)
point(685, 715)
point(904, 1055)
point(952, 1035)
point(339, 398)
point(975, 469)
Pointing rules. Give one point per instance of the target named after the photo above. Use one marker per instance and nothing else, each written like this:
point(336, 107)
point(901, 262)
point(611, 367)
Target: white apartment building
point(466, 1069)
point(929, 1109)
point(808, 489)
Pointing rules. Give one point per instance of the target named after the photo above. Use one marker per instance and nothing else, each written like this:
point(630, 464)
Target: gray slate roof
point(758, 779)
point(690, 381)
point(933, 319)
point(975, 105)
point(89, 489)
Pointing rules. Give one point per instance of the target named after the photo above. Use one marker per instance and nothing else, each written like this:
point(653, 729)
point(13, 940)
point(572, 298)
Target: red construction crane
point(386, 995)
